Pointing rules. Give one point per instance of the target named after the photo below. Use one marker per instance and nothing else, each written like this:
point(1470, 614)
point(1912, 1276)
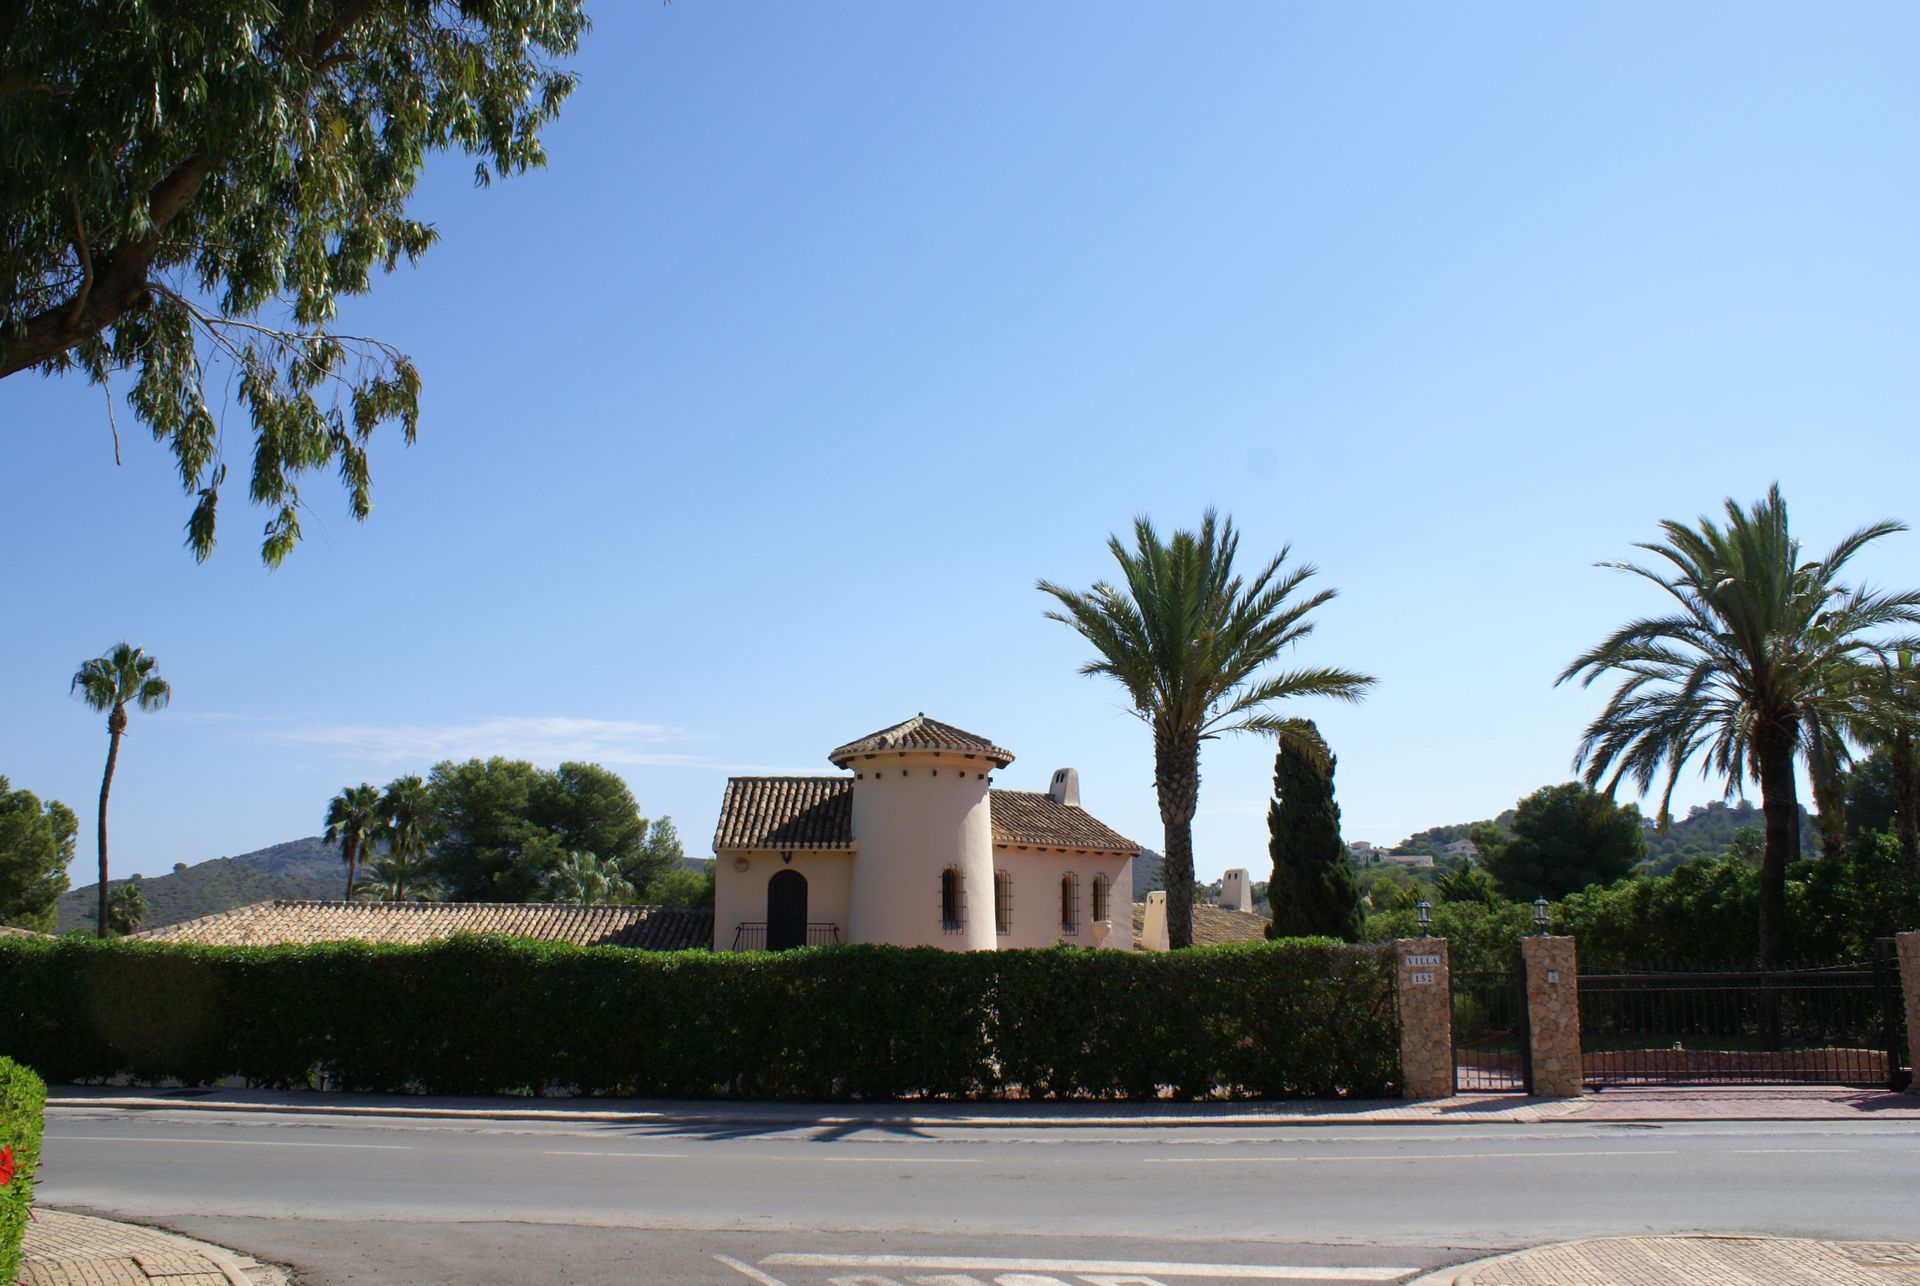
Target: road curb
point(1536, 1115)
point(1460, 1274)
point(65, 1246)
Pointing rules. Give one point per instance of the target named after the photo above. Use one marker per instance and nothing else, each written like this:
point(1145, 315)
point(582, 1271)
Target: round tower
point(923, 836)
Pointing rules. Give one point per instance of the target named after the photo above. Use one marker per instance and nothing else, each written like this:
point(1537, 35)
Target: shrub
point(22, 1098)
point(1705, 912)
point(474, 1015)
point(1480, 938)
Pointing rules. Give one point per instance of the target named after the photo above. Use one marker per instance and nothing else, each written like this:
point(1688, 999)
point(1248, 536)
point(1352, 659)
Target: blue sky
point(750, 422)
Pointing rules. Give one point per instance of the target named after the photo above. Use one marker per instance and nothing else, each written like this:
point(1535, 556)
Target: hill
point(302, 868)
point(304, 859)
point(1708, 829)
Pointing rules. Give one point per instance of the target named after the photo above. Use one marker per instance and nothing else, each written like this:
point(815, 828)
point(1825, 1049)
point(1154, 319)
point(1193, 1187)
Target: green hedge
point(476, 1015)
point(22, 1098)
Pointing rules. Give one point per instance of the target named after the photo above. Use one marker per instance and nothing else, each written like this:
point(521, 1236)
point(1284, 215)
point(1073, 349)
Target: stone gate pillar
point(1425, 991)
point(1908, 945)
point(1553, 1016)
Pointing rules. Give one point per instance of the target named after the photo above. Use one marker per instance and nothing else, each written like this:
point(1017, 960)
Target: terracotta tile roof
point(1032, 817)
point(786, 812)
point(288, 922)
point(817, 812)
point(1213, 926)
point(921, 733)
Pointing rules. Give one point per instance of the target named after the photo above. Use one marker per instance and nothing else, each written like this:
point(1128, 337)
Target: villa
point(912, 845)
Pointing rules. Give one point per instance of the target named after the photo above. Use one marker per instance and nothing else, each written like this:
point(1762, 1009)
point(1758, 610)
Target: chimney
point(1236, 890)
point(1066, 787)
point(1153, 929)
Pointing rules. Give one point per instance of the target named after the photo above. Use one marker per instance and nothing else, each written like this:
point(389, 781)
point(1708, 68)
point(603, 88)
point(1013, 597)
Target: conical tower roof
point(921, 733)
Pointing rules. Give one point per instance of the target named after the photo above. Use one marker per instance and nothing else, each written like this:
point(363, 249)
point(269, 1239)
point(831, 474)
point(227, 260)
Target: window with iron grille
point(1070, 903)
point(1100, 897)
point(953, 901)
point(1002, 902)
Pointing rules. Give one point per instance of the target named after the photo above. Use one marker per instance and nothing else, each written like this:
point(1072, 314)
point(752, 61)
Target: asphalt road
point(346, 1199)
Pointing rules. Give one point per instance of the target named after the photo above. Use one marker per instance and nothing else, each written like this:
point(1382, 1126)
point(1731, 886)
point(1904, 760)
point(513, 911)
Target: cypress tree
point(1313, 892)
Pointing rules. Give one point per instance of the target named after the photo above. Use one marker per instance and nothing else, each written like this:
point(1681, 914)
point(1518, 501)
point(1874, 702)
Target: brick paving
point(1695, 1261)
point(64, 1249)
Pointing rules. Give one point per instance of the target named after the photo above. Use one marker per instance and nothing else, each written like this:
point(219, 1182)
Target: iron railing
point(1491, 1049)
point(751, 935)
point(1838, 1025)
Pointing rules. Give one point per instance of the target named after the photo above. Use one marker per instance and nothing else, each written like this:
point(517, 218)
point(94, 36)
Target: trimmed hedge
point(486, 1015)
point(22, 1098)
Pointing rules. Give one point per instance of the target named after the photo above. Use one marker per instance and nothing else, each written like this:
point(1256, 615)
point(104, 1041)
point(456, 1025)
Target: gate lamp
point(1540, 916)
point(1423, 912)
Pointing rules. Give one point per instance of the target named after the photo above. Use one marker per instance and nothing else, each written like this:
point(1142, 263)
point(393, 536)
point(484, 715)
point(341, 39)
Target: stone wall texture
point(1909, 947)
point(1553, 1015)
point(1426, 1016)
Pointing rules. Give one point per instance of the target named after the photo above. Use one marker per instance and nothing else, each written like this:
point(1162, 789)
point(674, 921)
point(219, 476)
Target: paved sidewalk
point(1694, 1261)
point(64, 1249)
point(1749, 1103)
point(1464, 1108)
point(1635, 1103)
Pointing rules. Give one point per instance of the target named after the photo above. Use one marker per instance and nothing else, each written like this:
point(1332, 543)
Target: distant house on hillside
point(289, 922)
point(1463, 848)
point(916, 848)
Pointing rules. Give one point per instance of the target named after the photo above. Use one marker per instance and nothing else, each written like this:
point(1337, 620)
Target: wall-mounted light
point(1423, 912)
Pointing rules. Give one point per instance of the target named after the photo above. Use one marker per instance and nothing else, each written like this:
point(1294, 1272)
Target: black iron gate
point(1491, 1053)
point(1838, 1025)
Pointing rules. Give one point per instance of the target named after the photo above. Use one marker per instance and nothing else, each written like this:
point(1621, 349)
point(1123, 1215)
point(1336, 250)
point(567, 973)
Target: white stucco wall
point(741, 896)
point(914, 815)
point(1036, 874)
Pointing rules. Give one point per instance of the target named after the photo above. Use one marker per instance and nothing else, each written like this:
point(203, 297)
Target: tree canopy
point(1564, 838)
point(197, 185)
point(1313, 892)
point(1195, 644)
point(504, 828)
point(1765, 659)
point(36, 843)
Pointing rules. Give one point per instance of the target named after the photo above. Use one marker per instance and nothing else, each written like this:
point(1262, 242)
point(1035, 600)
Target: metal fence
point(1835, 1025)
point(1490, 1046)
point(751, 935)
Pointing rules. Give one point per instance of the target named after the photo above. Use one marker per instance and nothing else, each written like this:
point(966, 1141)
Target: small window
point(1099, 897)
point(1070, 903)
point(953, 901)
point(1002, 902)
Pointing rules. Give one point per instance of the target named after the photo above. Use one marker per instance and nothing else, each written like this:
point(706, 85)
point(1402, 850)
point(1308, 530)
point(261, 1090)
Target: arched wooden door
point(786, 910)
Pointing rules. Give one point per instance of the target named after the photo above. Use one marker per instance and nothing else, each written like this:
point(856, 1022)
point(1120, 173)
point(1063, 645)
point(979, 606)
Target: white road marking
point(655, 1156)
point(1761, 1152)
point(1122, 1267)
point(901, 1160)
point(1411, 1156)
point(750, 1271)
point(233, 1143)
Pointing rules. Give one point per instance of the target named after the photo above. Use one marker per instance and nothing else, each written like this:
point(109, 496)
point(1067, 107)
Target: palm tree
point(1189, 640)
point(1764, 661)
point(108, 683)
point(127, 908)
point(353, 822)
point(1890, 722)
point(406, 821)
point(583, 879)
point(390, 880)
